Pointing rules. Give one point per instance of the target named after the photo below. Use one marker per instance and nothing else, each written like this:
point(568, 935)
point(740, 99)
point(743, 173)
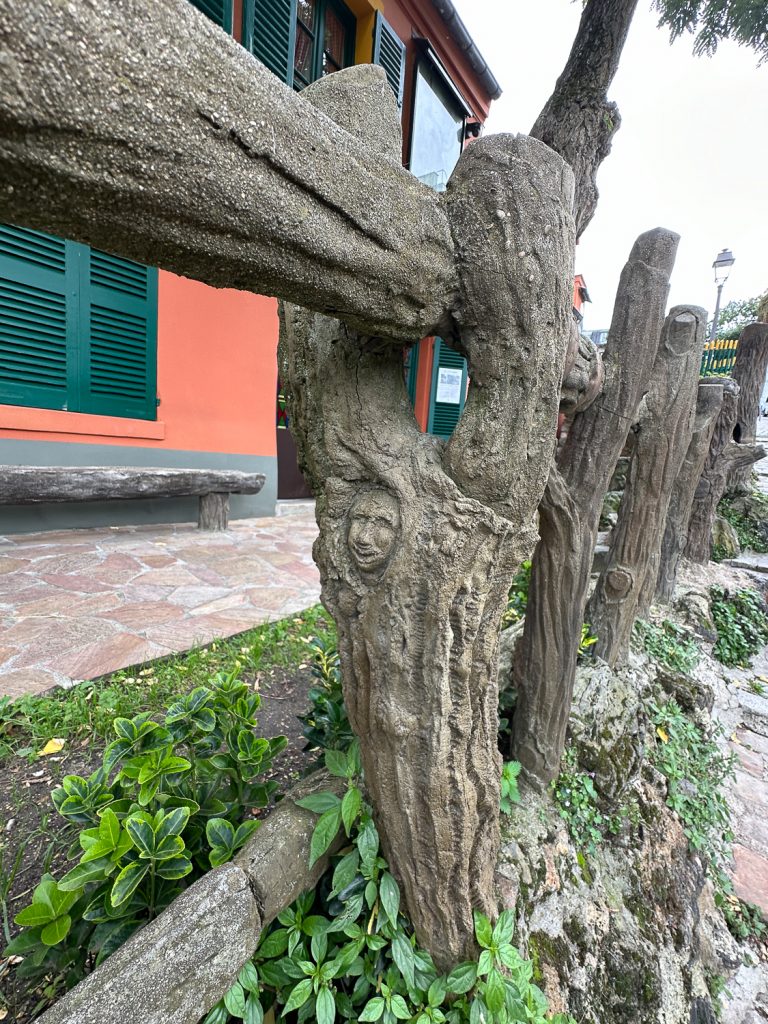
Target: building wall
point(216, 384)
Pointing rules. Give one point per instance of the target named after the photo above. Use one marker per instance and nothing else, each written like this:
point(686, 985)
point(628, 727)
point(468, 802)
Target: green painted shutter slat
point(269, 32)
point(33, 318)
point(219, 11)
point(389, 52)
point(119, 308)
point(443, 416)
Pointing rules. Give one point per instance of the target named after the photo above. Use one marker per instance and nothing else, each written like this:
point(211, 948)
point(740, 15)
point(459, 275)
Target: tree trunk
point(419, 539)
point(147, 131)
point(626, 586)
point(545, 661)
point(749, 373)
point(709, 400)
point(711, 484)
point(578, 121)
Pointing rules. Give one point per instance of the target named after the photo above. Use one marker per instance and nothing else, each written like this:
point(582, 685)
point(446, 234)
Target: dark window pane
point(303, 62)
point(306, 12)
point(328, 65)
point(335, 39)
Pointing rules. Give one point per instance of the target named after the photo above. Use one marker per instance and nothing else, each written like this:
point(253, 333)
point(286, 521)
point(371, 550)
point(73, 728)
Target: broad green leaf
point(82, 874)
point(325, 1007)
point(371, 892)
point(34, 915)
point(400, 1008)
point(336, 763)
point(218, 1015)
point(171, 846)
point(326, 830)
point(374, 1008)
point(127, 882)
point(249, 977)
point(234, 1000)
point(350, 807)
point(22, 943)
point(509, 955)
point(504, 928)
point(485, 963)
point(219, 832)
point(142, 835)
point(97, 850)
point(174, 868)
point(402, 951)
point(483, 930)
point(319, 802)
point(125, 729)
point(345, 872)
point(368, 845)
point(462, 978)
point(56, 930)
point(275, 944)
point(254, 1012)
point(389, 894)
point(494, 991)
point(244, 832)
point(315, 924)
point(319, 946)
point(173, 823)
point(478, 1012)
point(298, 996)
point(44, 894)
point(148, 790)
point(109, 828)
point(437, 992)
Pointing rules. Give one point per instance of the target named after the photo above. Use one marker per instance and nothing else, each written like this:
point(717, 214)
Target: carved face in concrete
point(374, 525)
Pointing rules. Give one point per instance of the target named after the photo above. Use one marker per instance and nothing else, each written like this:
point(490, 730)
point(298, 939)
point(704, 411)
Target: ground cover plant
point(749, 518)
point(742, 625)
point(668, 643)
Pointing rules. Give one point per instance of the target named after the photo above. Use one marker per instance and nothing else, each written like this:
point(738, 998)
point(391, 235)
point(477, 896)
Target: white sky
point(691, 153)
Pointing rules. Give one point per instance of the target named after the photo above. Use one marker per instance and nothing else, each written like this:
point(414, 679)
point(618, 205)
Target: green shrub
point(517, 601)
point(749, 518)
point(348, 951)
point(742, 625)
point(577, 804)
point(326, 725)
point(697, 772)
point(668, 643)
point(165, 806)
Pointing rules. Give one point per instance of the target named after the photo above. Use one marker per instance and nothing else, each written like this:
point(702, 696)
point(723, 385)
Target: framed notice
point(449, 386)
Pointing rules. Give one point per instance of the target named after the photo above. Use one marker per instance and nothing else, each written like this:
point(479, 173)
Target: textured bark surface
point(749, 373)
point(214, 512)
point(578, 121)
point(419, 539)
point(545, 661)
point(176, 968)
point(713, 478)
point(30, 485)
point(709, 400)
point(626, 586)
point(147, 131)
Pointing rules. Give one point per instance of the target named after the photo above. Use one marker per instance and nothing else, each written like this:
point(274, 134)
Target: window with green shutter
point(78, 327)
point(449, 388)
point(219, 11)
point(389, 52)
point(269, 32)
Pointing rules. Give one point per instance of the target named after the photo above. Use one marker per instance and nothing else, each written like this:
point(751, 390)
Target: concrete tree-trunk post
point(749, 373)
point(709, 400)
point(711, 485)
point(419, 539)
point(626, 586)
point(545, 661)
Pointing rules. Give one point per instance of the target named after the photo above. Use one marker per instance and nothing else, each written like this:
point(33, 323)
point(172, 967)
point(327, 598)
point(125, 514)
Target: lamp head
point(722, 265)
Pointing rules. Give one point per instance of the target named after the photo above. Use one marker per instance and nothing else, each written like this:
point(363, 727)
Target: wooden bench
point(34, 485)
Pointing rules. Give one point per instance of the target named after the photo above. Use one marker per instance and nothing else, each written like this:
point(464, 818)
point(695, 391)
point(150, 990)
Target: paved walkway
point(78, 604)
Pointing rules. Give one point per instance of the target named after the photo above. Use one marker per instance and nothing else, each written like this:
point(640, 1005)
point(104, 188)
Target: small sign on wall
point(448, 386)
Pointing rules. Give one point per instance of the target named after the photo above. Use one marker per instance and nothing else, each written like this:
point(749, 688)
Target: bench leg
point(214, 512)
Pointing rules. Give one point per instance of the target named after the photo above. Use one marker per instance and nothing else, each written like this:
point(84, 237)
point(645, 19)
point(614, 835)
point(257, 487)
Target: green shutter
point(269, 32)
point(443, 416)
point(412, 371)
point(34, 281)
point(219, 11)
point(389, 52)
point(119, 342)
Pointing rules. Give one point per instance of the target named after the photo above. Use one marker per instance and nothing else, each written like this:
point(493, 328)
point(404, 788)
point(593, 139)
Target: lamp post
point(722, 267)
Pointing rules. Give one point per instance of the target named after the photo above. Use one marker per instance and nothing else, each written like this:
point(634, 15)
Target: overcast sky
point(691, 154)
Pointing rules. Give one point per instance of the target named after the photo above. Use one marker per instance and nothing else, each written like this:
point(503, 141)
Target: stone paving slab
point(77, 604)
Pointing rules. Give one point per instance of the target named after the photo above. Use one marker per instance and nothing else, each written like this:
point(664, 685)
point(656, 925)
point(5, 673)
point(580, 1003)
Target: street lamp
point(722, 267)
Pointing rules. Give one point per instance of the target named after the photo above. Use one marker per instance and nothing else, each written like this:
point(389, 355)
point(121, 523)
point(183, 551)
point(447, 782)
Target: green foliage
point(750, 523)
point(326, 725)
point(742, 625)
point(347, 951)
point(697, 771)
point(165, 806)
point(89, 709)
point(517, 601)
point(577, 803)
point(510, 794)
point(743, 21)
point(668, 643)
